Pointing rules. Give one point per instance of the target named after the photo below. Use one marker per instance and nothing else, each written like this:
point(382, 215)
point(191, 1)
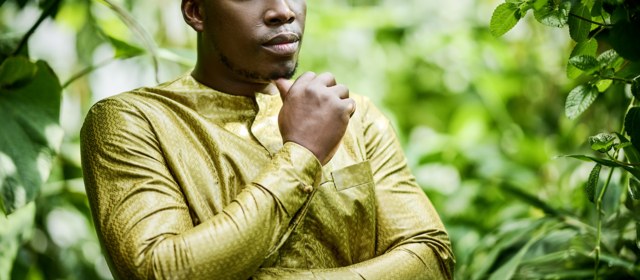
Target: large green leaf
point(505, 17)
point(631, 71)
point(553, 15)
point(588, 47)
point(580, 98)
point(578, 28)
point(15, 230)
point(629, 151)
point(31, 135)
point(592, 183)
point(632, 126)
point(625, 39)
point(635, 88)
point(605, 162)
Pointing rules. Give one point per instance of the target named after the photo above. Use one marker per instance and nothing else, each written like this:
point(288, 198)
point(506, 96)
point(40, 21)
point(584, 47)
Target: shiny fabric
point(186, 182)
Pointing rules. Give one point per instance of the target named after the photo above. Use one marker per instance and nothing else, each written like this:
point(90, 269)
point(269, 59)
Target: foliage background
point(472, 111)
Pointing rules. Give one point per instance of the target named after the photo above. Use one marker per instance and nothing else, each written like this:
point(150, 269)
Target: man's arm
point(411, 240)
point(143, 218)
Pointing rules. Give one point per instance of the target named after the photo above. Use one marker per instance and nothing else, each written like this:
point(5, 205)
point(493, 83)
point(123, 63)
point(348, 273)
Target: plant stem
point(591, 21)
point(620, 80)
point(33, 28)
point(599, 228)
point(624, 65)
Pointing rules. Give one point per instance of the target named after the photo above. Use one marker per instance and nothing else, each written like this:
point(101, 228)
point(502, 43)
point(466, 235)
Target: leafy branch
point(51, 8)
point(591, 21)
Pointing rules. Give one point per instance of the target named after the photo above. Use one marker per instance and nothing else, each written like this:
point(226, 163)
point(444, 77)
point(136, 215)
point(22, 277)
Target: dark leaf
point(625, 39)
point(635, 88)
point(632, 126)
point(580, 98)
point(578, 28)
point(592, 183)
point(631, 71)
point(588, 47)
point(596, 10)
point(505, 17)
point(629, 151)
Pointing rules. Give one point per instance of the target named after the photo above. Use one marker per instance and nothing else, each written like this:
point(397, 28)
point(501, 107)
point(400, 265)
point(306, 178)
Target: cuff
point(287, 174)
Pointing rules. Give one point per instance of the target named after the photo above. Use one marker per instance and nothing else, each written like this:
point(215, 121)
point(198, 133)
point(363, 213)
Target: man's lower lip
point(286, 49)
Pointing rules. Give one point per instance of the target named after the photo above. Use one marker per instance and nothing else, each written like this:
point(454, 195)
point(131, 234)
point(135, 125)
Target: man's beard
point(255, 75)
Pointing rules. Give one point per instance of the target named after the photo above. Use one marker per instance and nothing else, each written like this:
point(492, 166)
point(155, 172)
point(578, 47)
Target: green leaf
point(539, 4)
point(631, 71)
point(601, 142)
point(596, 10)
point(635, 88)
point(619, 14)
point(30, 137)
point(588, 47)
point(621, 145)
point(580, 98)
point(9, 43)
point(15, 231)
point(605, 162)
point(584, 62)
point(553, 15)
point(629, 151)
point(632, 126)
point(505, 17)
point(634, 188)
point(88, 39)
point(578, 28)
point(16, 71)
point(624, 37)
point(592, 183)
point(124, 49)
point(610, 59)
point(603, 84)
point(608, 73)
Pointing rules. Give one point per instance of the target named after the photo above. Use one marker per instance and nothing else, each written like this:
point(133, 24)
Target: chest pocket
point(352, 176)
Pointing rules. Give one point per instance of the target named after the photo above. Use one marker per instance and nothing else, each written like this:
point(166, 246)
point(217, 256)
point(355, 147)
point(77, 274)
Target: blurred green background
point(473, 112)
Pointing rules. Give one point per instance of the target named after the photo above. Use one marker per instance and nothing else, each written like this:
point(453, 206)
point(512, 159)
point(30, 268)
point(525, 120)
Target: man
point(232, 172)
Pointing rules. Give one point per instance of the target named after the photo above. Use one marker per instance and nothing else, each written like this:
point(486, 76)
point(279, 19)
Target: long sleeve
point(143, 219)
point(411, 240)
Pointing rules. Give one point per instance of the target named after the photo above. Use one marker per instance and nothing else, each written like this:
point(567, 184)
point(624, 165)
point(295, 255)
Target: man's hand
point(315, 113)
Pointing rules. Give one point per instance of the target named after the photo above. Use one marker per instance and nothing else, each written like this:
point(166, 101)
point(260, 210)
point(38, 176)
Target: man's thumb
point(283, 86)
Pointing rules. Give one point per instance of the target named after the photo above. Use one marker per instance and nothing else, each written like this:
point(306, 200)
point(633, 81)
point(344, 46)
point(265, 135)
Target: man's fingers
point(341, 90)
point(283, 86)
point(350, 108)
point(326, 79)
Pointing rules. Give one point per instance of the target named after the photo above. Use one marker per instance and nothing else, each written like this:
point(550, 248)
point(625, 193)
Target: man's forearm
point(410, 261)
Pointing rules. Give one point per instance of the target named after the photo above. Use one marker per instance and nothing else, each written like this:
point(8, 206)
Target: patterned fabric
point(186, 182)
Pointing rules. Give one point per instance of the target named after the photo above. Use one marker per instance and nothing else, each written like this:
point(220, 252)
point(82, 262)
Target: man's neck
point(210, 71)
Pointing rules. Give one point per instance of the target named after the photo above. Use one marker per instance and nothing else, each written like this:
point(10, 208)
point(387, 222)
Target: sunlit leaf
point(588, 47)
point(601, 142)
point(580, 98)
point(603, 84)
point(505, 17)
point(124, 49)
point(610, 59)
point(592, 183)
point(539, 4)
point(553, 15)
point(578, 28)
point(31, 135)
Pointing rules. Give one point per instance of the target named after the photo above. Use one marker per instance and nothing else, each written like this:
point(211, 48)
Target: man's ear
point(191, 12)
